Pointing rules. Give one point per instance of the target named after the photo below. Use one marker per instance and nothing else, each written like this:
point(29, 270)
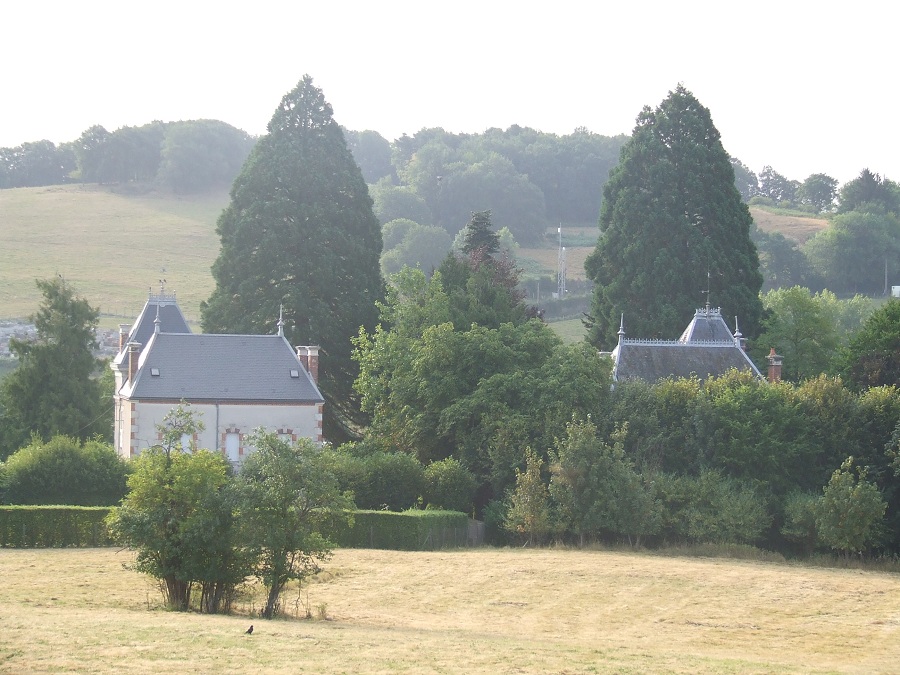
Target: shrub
point(449, 485)
point(65, 471)
point(53, 526)
point(380, 480)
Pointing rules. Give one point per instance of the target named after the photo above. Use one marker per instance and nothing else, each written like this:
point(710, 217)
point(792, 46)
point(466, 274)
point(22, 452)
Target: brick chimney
point(134, 353)
point(309, 357)
point(775, 361)
point(123, 335)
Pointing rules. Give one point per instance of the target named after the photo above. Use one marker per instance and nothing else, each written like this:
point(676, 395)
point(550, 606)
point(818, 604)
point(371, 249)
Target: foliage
point(819, 191)
point(65, 470)
point(299, 233)
point(413, 245)
point(745, 180)
point(869, 193)
point(710, 508)
point(201, 155)
point(856, 252)
point(53, 526)
point(595, 487)
point(781, 262)
point(36, 163)
point(672, 222)
point(800, 509)
point(801, 327)
point(776, 187)
point(873, 355)
point(391, 202)
point(529, 503)
point(449, 485)
point(372, 152)
point(177, 517)
point(849, 515)
point(413, 530)
point(380, 480)
point(286, 495)
point(52, 391)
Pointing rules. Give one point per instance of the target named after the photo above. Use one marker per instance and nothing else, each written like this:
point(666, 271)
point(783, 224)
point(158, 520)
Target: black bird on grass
point(249, 631)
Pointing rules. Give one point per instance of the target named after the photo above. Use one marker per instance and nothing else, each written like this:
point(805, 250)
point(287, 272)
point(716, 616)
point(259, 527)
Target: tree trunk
point(272, 600)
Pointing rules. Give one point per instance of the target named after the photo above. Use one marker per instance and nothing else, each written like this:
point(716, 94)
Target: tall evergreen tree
point(672, 225)
point(53, 390)
point(300, 233)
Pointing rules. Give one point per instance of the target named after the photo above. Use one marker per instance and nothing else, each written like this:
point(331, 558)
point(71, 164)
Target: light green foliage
point(408, 244)
point(850, 514)
point(286, 495)
point(781, 262)
point(372, 152)
point(177, 517)
point(818, 191)
point(873, 355)
point(802, 327)
point(774, 186)
point(529, 503)
point(200, 155)
point(65, 470)
point(595, 487)
point(671, 214)
point(449, 485)
point(53, 391)
point(299, 233)
point(710, 508)
point(393, 202)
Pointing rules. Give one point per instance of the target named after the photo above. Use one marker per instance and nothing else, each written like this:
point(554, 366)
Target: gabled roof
point(171, 320)
point(206, 367)
point(706, 348)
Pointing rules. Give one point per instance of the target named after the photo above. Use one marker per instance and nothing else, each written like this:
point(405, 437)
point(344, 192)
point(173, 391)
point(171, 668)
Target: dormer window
point(154, 372)
point(295, 373)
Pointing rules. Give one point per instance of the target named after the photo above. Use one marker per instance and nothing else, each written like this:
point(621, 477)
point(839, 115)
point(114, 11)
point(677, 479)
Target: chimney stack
point(309, 357)
point(123, 335)
point(775, 361)
point(134, 353)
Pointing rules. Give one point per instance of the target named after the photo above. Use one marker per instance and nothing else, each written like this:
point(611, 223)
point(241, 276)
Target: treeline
point(185, 157)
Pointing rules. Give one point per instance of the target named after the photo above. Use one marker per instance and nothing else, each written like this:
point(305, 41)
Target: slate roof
point(706, 348)
point(171, 320)
point(207, 367)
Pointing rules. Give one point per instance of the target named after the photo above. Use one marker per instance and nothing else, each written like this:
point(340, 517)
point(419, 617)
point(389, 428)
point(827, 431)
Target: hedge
point(53, 526)
point(82, 526)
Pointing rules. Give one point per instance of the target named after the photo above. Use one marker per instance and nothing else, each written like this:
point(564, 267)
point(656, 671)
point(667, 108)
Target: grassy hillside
point(111, 245)
point(473, 611)
point(792, 226)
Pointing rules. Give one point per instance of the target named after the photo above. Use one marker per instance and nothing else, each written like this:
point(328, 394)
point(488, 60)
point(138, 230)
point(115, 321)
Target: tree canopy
point(672, 225)
point(299, 233)
point(53, 390)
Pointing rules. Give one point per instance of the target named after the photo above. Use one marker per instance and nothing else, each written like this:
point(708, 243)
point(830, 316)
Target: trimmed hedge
point(413, 530)
point(83, 526)
point(53, 526)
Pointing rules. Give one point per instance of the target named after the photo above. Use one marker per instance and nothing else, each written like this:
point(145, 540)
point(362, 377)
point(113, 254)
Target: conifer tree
point(300, 233)
point(672, 227)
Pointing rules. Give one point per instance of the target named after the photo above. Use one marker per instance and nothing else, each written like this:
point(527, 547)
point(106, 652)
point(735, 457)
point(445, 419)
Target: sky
point(805, 87)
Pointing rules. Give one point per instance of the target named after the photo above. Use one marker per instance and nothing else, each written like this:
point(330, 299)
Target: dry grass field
point(111, 245)
point(471, 611)
point(797, 228)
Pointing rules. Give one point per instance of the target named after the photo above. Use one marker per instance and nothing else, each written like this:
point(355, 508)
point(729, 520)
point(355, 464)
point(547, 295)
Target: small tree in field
point(850, 514)
point(178, 520)
point(529, 509)
point(286, 495)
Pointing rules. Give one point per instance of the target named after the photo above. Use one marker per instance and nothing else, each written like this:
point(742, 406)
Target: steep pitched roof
point(206, 367)
point(171, 320)
point(707, 325)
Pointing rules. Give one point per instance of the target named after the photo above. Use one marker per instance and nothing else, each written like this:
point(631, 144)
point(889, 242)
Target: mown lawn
point(468, 611)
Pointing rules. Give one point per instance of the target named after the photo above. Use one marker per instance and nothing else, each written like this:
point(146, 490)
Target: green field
point(571, 330)
point(460, 611)
point(111, 245)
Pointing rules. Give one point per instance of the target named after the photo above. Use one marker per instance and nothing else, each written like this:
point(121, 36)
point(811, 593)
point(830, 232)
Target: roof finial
point(280, 321)
point(156, 322)
point(621, 332)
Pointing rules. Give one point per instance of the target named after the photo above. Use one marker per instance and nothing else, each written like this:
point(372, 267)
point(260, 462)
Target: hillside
point(112, 245)
point(463, 611)
point(797, 228)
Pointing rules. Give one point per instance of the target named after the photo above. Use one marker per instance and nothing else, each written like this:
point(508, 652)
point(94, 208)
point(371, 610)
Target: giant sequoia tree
point(300, 232)
point(671, 219)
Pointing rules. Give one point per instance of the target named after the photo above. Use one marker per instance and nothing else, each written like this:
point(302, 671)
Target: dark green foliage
point(782, 263)
point(870, 193)
point(408, 531)
point(65, 470)
point(450, 486)
point(777, 188)
point(372, 152)
point(53, 391)
point(300, 234)
point(873, 356)
point(672, 223)
point(53, 526)
point(479, 237)
point(745, 180)
point(380, 480)
point(818, 191)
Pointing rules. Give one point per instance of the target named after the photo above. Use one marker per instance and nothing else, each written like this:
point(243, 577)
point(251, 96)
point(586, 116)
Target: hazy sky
point(806, 87)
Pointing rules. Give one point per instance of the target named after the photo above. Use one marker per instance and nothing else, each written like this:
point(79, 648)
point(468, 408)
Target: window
point(295, 373)
point(233, 446)
point(154, 372)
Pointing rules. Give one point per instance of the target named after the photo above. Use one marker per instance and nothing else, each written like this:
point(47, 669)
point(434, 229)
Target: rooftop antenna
point(707, 291)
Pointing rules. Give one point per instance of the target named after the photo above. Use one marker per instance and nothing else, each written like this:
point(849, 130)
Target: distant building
point(706, 348)
point(237, 383)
